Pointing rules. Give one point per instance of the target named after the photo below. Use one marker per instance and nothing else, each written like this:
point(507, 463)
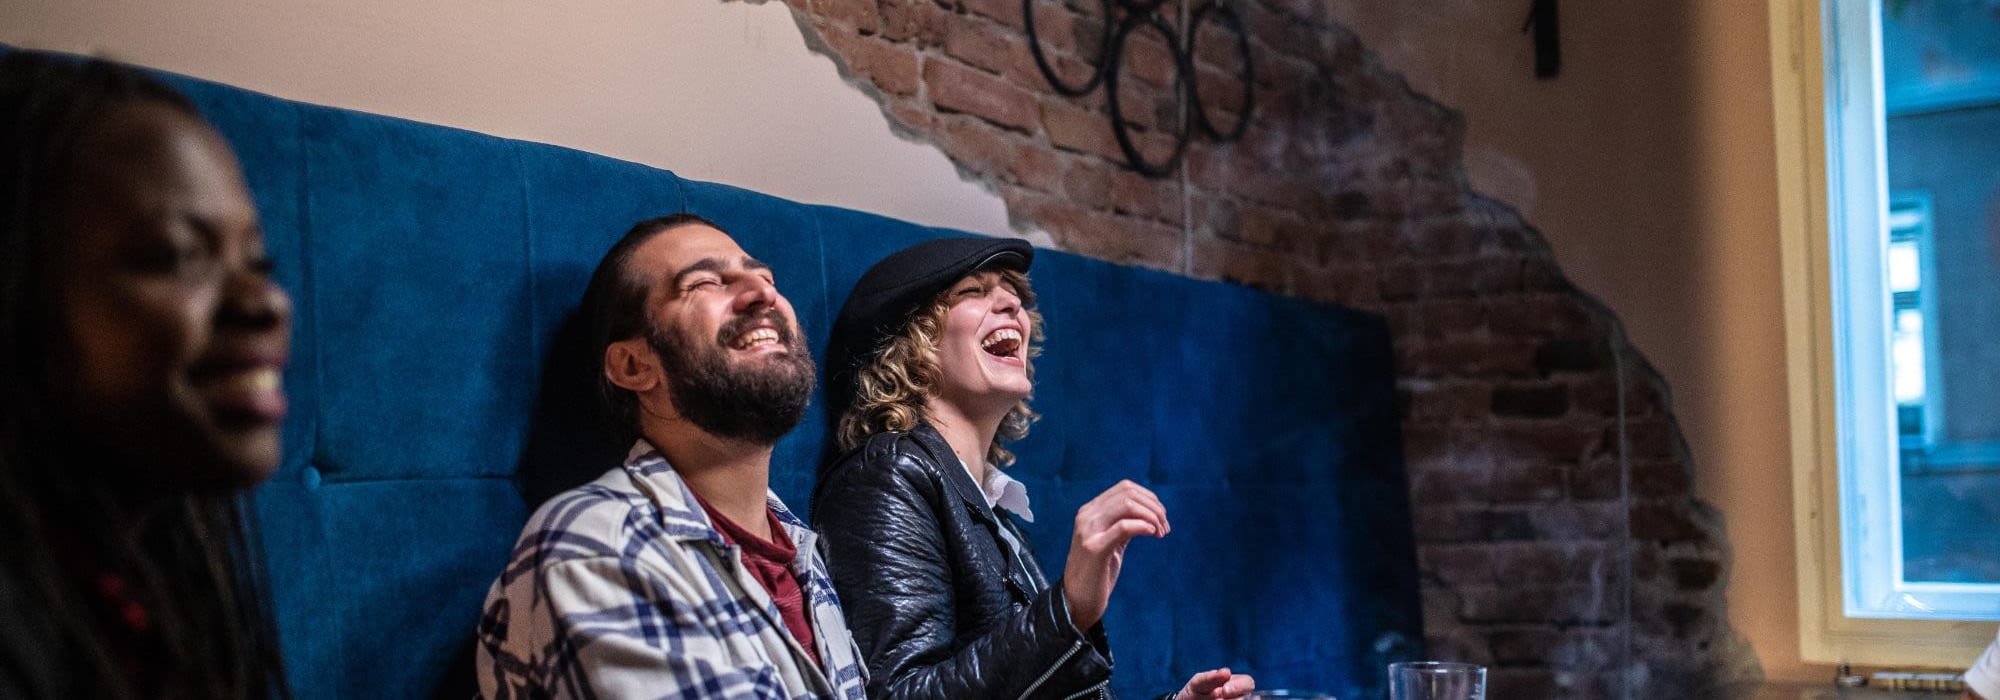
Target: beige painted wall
point(716, 91)
point(1650, 166)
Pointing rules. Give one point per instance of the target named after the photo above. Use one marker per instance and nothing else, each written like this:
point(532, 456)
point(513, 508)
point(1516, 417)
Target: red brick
point(1527, 483)
point(1283, 33)
point(1449, 400)
point(1007, 12)
point(1462, 523)
point(1449, 318)
point(982, 148)
point(985, 45)
point(1572, 604)
point(1521, 683)
point(1076, 129)
point(1424, 442)
point(1664, 520)
point(955, 87)
point(1099, 235)
point(1448, 237)
point(891, 67)
point(1466, 646)
point(1543, 315)
point(1695, 574)
point(1267, 226)
point(1222, 95)
point(1579, 354)
point(1063, 31)
point(1465, 357)
point(1441, 486)
point(1575, 521)
point(1538, 400)
point(1036, 167)
point(1354, 286)
point(1215, 47)
point(921, 22)
point(1647, 440)
point(1457, 564)
point(1128, 240)
point(1159, 200)
point(860, 15)
point(1242, 265)
point(1212, 215)
point(1352, 242)
point(1524, 646)
point(1553, 563)
point(1147, 58)
point(1087, 181)
point(912, 114)
point(1148, 107)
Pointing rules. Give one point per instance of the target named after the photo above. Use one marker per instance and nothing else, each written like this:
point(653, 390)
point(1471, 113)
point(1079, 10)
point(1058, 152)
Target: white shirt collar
point(1003, 491)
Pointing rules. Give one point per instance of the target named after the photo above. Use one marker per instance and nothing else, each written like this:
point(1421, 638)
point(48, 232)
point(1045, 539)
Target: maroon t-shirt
point(770, 562)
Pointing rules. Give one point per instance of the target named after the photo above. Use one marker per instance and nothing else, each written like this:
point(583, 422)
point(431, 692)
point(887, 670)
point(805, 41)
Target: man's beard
point(757, 403)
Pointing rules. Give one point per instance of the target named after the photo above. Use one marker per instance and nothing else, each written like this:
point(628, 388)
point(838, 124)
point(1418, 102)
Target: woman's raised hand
point(1219, 683)
point(1097, 546)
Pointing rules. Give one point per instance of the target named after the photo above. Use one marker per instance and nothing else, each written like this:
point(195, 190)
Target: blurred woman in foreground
point(141, 345)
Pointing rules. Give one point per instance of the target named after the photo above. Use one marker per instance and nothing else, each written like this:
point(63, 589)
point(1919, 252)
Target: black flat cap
point(895, 287)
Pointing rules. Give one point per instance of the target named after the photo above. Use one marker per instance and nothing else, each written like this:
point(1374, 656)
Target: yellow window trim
point(1826, 633)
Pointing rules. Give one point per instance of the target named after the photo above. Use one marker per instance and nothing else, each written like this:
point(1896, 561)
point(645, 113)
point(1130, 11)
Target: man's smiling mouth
point(756, 338)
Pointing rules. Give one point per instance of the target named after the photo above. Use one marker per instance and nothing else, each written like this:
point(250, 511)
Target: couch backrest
point(433, 270)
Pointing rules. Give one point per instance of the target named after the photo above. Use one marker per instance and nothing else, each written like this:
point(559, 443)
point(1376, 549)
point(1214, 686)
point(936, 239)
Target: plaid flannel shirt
point(622, 588)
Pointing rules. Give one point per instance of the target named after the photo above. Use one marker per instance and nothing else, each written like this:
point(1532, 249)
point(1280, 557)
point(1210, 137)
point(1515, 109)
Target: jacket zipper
point(1052, 670)
point(1097, 690)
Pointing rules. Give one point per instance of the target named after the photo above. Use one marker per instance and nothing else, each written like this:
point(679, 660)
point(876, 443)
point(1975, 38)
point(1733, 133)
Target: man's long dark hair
point(193, 563)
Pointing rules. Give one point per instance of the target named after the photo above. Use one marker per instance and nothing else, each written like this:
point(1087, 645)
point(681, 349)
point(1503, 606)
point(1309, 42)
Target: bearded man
point(677, 573)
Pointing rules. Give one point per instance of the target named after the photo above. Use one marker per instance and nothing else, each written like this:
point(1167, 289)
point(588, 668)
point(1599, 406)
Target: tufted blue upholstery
point(433, 270)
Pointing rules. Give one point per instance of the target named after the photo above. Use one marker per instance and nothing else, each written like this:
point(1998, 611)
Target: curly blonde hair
point(890, 388)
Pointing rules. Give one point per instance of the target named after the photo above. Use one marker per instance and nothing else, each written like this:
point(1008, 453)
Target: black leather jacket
point(941, 606)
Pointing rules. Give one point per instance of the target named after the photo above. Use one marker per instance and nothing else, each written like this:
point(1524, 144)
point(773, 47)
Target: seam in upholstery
point(326, 481)
point(826, 310)
point(308, 280)
point(534, 270)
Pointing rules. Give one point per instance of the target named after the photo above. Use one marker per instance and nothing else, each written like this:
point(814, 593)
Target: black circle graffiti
point(1194, 114)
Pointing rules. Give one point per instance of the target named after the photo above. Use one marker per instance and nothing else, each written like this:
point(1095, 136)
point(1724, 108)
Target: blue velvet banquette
point(434, 402)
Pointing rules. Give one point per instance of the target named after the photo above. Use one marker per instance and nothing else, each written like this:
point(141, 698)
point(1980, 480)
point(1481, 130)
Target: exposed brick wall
point(1348, 188)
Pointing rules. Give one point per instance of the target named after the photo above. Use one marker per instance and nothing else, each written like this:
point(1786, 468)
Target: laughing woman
point(932, 369)
point(141, 339)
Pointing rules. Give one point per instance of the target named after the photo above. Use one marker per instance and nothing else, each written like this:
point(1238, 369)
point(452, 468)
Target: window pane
point(1941, 73)
point(1905, 275)
point(1907, 352)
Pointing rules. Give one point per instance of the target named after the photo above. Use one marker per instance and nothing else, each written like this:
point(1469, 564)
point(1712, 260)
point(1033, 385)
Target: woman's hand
point(1097, 546)
point(1219, 683)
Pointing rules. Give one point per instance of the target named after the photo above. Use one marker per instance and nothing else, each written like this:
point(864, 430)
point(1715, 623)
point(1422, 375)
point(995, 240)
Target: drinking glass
point(1436, 680)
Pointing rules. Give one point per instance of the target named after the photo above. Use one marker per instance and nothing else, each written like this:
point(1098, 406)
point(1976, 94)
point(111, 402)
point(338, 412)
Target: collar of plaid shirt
point(582, 609)
point(685, 520)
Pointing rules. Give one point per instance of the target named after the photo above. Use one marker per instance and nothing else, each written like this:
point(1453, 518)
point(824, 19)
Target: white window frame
point(1818, 191)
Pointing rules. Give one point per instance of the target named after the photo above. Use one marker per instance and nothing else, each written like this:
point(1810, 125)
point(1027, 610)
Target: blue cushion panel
point(421, 299)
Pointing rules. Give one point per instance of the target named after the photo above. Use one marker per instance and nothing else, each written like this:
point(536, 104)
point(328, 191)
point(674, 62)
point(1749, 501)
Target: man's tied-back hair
point(890, 386)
